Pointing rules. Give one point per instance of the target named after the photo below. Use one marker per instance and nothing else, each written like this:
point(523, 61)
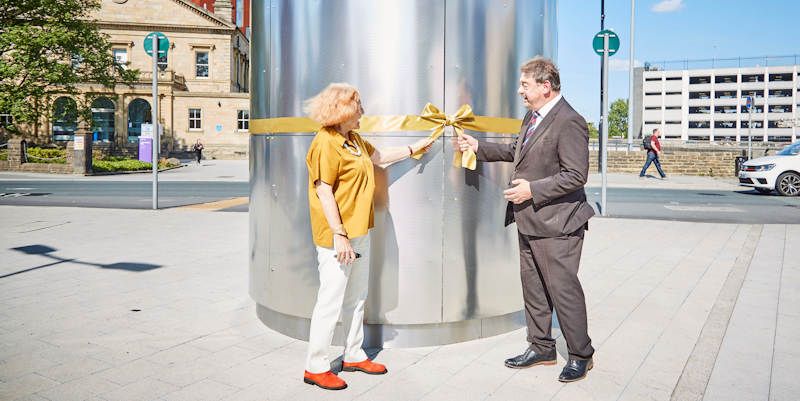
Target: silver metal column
point(444, 269)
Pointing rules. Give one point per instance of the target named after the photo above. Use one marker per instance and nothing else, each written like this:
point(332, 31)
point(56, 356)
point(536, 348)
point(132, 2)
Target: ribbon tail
point(466, 159)
point(437, 132)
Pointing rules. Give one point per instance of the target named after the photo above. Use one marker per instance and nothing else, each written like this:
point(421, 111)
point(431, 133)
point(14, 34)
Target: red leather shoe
point(366, 366)
point(327, 380)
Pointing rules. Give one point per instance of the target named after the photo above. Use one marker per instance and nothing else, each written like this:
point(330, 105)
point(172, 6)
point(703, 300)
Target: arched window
point(65, 119)
point(103, 120)
point(138, 114)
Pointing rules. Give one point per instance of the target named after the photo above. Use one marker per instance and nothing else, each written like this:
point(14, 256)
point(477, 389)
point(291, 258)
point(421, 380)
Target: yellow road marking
point(218, 205)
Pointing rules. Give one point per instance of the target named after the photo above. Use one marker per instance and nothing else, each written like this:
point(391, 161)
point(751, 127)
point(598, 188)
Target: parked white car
point(780, 172)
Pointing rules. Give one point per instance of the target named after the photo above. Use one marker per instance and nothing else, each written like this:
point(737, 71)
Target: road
point(738, 206)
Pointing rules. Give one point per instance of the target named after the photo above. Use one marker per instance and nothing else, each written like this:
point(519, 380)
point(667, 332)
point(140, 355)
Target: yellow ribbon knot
point(457, 120)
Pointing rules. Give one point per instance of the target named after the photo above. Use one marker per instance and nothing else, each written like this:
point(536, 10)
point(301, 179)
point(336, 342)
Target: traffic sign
point(749, 103)
point(613, 42)
point(163, 44)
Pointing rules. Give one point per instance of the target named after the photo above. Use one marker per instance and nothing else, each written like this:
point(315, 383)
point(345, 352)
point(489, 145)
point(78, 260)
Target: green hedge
point(46, 155)
point(119, 163)
point(4, 154)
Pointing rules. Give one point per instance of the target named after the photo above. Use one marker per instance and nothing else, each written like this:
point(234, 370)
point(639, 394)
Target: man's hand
point(465, 142)
point(520, 192)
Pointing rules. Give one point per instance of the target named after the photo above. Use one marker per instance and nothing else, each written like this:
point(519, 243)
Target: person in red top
point(653, 151)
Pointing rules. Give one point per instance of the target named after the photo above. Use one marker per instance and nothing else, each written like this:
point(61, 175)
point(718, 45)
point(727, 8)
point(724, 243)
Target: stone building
point(203, 83)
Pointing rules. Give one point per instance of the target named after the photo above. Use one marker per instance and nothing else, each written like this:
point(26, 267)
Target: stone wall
point(675, 161)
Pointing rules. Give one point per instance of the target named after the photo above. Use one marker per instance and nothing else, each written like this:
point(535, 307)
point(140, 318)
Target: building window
point(724, 124)
point(753, 78)
point(780, 77)
point(674, 78)
point(699, 124)
point(780, 93)
point(755, 94)
point(699, 95)
point(103, 120)
point(76, 61)
point(195, 119)
point(672, 122)
point(652, 122)
point(725, 79)
point(725, 109)
point(673, 93)
point(725, 94)
point(201, 64)
point(243, 120)
point(653, 108)
point(121, 57)
point(65, 118)
point(778, 124)
point(700, 110)
point(781, 138)
point(783, 108)
point(653, 93)
point(652, 79)
point(6, 119)
point(673, 107)
point(756, 109)
point(700, 80)
point(756, 124)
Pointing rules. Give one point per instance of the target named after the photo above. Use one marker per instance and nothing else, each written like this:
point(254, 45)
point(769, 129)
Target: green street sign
point(613, 42)
point(163, 44)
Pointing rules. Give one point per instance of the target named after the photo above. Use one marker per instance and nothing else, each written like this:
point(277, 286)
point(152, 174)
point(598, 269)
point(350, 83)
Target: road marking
point(218, 205)
point(700, 208)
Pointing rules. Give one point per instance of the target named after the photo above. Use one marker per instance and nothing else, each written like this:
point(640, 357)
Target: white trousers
point(342, 291)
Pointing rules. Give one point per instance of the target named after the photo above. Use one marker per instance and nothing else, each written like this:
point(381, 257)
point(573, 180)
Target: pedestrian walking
point(198, 150)
point(653, 147)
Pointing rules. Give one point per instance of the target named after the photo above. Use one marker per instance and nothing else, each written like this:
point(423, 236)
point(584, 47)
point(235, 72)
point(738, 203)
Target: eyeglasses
point(352, 148)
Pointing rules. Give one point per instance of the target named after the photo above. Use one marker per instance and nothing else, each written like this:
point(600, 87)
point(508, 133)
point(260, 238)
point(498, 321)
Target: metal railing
point(736, 62)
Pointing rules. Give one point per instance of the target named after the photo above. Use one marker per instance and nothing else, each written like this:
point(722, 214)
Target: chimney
point(224, 10)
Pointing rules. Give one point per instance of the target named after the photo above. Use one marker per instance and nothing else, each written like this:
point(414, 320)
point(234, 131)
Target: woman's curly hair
point(336, 104)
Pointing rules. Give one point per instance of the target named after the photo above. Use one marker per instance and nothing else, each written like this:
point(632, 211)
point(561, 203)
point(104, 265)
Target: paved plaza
point(109, 304)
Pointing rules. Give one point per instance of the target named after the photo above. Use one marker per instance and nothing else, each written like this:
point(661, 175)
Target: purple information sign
point(146, 149)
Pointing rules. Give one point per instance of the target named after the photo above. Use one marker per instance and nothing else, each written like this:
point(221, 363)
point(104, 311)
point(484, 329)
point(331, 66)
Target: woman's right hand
point(344, 251)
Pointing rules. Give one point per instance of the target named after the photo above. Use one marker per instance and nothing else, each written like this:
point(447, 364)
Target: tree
point(47, 48)
point(593, 132)
point(618, 119)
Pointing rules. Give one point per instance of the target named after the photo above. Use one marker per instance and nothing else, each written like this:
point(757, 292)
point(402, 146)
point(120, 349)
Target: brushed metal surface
point(444, 269)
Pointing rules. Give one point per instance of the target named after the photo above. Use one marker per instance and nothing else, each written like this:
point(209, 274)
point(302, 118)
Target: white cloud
point(667, 6)
point(621, 64)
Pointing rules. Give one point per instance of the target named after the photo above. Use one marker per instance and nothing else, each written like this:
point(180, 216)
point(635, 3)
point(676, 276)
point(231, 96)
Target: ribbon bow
point(457, 120)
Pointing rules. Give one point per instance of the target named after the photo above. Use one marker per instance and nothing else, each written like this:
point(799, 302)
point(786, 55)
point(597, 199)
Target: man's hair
point(542, 69)
point(655, 130)
point(336, 104)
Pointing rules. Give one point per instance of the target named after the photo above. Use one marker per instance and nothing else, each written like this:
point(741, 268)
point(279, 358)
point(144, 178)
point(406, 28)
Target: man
point(653, 147)
point(547, 201)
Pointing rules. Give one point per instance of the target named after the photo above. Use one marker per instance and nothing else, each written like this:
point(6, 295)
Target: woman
point(341, 185)
point(198, 150)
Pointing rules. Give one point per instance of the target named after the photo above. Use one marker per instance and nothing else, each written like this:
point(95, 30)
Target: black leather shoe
point(531, 358)
point(575, 370)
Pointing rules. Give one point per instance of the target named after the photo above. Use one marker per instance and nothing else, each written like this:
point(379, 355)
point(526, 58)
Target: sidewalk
point(237, 170)
point(96, 305)
point(208, 170)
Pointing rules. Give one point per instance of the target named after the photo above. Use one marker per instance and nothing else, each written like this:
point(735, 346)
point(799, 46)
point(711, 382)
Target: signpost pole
point(154, 117)
point(604, 129)
point(630, 78)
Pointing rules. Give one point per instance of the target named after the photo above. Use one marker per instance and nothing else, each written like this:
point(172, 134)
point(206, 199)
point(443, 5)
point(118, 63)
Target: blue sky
point(667, 30)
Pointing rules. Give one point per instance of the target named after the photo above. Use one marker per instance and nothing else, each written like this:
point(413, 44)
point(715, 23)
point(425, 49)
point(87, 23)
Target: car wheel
point(764, 190)
point(788, 184)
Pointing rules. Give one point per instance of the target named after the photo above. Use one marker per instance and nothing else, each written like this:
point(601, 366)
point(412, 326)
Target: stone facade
point(714, 161)
point(194, 34)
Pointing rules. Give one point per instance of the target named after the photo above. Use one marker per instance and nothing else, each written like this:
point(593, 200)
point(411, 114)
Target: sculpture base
point(400, 335)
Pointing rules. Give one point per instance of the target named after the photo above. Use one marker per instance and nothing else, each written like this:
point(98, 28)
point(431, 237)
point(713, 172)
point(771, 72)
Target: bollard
point(82, 150)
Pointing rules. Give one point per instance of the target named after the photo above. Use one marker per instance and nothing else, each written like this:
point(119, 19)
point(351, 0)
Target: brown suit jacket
point(556, 162)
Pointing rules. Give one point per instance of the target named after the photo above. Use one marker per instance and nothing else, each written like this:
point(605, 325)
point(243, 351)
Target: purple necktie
point(531, 127)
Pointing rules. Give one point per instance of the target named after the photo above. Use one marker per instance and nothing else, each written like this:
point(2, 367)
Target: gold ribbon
point(431, 119)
